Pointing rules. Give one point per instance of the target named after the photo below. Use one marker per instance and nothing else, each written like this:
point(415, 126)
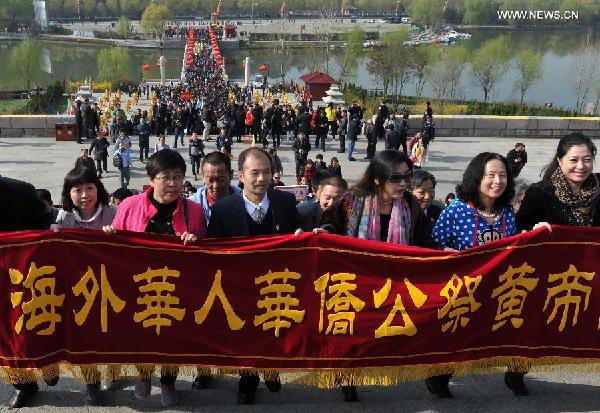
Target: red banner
point(322, 303)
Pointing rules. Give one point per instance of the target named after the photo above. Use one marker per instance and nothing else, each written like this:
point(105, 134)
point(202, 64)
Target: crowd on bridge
point(393, 201)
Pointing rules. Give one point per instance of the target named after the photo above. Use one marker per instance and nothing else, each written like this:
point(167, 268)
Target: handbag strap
point(186, 215)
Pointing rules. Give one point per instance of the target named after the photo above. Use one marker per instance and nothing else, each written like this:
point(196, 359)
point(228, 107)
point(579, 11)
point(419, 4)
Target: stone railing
point(445, 125)
point(31, 125)
point(509, 126)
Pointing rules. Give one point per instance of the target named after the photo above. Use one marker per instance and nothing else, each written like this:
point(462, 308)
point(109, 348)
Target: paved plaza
point(44, 162)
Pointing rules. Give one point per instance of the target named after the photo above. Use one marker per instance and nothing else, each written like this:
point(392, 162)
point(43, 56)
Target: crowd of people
point(393, 201)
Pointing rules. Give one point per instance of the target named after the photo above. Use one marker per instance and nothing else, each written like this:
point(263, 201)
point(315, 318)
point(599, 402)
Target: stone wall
point(31, 125)
point(509, 126)
point(446, 125)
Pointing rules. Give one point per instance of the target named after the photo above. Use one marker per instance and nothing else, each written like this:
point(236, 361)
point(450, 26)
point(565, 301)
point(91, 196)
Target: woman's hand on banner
point(108, 229)
point(543, 225)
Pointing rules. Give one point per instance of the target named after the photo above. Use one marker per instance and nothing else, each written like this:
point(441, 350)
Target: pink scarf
point(370, 225)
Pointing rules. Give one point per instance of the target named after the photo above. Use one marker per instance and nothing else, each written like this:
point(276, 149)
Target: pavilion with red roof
point(318, 83)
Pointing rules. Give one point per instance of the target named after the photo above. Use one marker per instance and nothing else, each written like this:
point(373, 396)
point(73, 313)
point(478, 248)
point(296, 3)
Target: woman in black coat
point(568, 194)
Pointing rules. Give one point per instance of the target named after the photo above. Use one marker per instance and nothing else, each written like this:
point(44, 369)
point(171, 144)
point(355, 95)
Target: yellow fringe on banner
point(380, 376)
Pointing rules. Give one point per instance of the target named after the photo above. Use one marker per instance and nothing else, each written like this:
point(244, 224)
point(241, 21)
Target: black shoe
point(93, 396)
point(351, 159)
point(247, 389)
point(514, 381)
point(53, 381)
point(112, 385)
point(20, 398)
point(439, 385)
point(340, 151)
point(350, 395)
point(273, 385)
point(201, 382)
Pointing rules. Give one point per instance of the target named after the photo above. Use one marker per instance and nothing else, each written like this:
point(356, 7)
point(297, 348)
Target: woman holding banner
point(161, 210)
point(568, 194)
point(380, 208)
point(481, 213)
point(85, 204)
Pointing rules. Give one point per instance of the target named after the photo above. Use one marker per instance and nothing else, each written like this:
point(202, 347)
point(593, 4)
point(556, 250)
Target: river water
point(561, 49)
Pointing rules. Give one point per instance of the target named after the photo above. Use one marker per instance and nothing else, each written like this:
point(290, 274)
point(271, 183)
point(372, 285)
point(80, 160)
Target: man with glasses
point(161, 210)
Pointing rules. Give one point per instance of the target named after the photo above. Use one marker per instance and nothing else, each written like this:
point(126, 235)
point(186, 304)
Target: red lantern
point(263, 68)
point(146, 67)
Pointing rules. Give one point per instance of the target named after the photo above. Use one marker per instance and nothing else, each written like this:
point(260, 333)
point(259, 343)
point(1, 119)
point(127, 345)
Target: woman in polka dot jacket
point(481, 213)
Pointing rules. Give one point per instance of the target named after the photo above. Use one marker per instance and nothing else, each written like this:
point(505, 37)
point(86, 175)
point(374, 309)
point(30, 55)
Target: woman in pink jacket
point(161, 210)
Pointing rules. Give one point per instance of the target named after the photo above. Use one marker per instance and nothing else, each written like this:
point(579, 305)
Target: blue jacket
point(455, 228)
point(201, 198)
point(125, 155)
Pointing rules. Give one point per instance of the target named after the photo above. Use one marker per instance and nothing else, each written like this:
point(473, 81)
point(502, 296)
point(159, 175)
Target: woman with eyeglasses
point(482, 212)
point(380, 208)
point(161, 210)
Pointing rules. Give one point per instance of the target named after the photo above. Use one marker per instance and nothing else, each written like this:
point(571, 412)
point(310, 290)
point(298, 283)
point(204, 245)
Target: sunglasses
point(397, 178)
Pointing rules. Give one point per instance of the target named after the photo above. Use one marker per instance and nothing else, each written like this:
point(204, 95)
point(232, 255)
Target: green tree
point(24, 60)
point(113, 64)
point(422, 56)
point(456, 59)
point(529, 68)
point(123, 29)
point(430, 12)
point(490, 62)
point(154, 18)
point(381, 66)
point(16, 11)
point(401, 57)
point(479, 11)
point(354, 49)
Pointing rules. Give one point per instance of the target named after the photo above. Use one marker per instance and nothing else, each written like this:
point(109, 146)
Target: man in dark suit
point(329, 192)
point(257, 210)
point(23, 210)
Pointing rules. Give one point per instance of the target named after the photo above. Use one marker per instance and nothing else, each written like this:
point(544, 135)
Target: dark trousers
point(371, 146)
point(178, 133)
point(101, 164)
point(144, 147)
point(167, 379)
point(320, 137)
point(256, 133)
point(195, 159)
point(300, 161)
point(276, 139)
point(342, 143)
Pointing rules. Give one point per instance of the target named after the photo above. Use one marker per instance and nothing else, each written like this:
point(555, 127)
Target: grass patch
point(9, 107)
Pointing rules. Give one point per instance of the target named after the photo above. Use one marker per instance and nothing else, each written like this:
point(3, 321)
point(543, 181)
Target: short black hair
point(335, 181)
point(217, 158)
point(319, 176)
point(80, 176)
point(44, 195)
point(122, 193)
point(420, 176)
point(252, 151)
point(164, 160)
point(468, 190)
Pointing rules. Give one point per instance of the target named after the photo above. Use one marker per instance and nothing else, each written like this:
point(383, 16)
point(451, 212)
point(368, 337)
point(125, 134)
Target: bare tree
point(282, 55)
point(584, 75)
